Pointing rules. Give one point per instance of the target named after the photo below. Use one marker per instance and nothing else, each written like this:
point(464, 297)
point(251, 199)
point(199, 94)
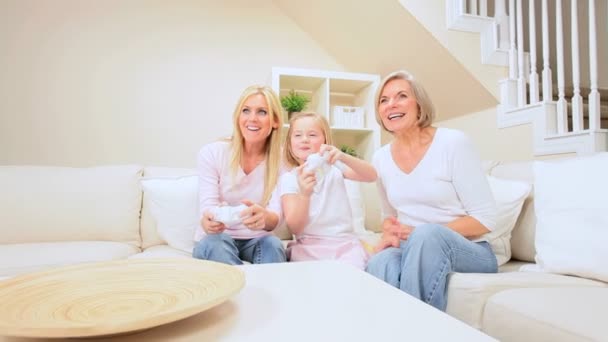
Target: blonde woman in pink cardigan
point(241, 174)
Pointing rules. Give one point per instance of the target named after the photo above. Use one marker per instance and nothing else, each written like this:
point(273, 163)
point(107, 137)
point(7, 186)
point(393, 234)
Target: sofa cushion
point(468, 292)
point(572, 216)
point(161, 251)
point(149, 233)
point(509, 196)
point(522, 235)
point(548, 314)
point(49, 204)
point(30, 257)
point(173, 203)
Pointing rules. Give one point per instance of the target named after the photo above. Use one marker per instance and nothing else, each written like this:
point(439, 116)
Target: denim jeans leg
point(217, 247)
point(386, 265)
point(433, 251)
point(263, 250)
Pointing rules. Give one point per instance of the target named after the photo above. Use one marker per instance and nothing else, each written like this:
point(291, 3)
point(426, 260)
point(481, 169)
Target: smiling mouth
point(396, 116)
point(253, 129)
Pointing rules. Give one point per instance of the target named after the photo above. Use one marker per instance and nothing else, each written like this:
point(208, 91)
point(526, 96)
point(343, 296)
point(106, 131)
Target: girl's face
point(398, 107)
point(254, 120)
point(306, 138)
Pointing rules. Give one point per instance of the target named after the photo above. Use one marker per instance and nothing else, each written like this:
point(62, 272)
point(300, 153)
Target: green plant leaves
point(294, 102)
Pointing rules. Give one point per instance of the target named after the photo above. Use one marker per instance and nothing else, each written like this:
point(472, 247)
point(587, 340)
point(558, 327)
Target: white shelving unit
point(327, 89)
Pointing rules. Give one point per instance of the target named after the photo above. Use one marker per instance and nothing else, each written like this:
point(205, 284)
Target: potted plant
point(349, 150)
point(294, 102)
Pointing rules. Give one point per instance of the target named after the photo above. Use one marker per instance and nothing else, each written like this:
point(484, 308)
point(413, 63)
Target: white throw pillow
point(357, 206)
point(173, 203)
point(509, 196)
point(571, 204)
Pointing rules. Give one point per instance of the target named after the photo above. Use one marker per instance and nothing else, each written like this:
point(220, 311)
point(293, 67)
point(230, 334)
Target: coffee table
point(313, 301)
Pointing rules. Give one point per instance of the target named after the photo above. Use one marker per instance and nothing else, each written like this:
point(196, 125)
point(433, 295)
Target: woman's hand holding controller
point(210, 226)
point(254, 217)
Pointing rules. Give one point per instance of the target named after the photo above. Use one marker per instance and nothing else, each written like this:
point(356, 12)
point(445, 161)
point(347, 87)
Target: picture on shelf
point(294, 103)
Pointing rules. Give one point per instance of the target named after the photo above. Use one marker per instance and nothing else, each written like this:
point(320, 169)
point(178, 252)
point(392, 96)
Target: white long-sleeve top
point(216, 185)
point(447, 183)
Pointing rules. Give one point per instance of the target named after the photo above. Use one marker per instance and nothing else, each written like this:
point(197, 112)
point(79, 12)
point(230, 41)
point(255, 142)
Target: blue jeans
point(421, 264)
point(223, 248)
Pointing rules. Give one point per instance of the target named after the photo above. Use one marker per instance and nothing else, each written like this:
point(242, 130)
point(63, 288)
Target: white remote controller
point(318, 164)
point(316, 161)
point(228, 215)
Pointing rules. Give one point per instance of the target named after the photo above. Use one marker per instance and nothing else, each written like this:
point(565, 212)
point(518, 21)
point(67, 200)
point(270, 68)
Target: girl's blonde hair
point(426, 109)
point(273, 141)
point(320, 120)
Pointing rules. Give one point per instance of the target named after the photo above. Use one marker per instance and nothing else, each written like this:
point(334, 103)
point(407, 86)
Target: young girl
point(317, 211)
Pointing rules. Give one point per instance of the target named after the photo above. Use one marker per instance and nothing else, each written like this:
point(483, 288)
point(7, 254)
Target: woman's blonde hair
point(320, 120)
point(426, 109)
point(273, 141)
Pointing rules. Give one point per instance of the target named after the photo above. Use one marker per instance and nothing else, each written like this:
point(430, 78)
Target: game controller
point(228, 215)
point(319, 164)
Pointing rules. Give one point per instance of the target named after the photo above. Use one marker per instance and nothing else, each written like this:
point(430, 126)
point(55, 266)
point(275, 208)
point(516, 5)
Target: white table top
point(313, 301)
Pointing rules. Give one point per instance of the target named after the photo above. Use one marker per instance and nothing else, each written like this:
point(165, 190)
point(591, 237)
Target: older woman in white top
point(436, 201)
point(243, 170)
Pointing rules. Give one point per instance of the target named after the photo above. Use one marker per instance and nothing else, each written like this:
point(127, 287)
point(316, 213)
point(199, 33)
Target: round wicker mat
point(113, 297)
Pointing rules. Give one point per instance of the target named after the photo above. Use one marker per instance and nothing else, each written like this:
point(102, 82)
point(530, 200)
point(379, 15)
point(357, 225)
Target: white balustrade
point(594, 95)
point(502, 23)
point(547, 79)
point(562, 105)
point(521, 78)
point(523, 83)
point(533, 78)
point(577, 99)
point(512, 46)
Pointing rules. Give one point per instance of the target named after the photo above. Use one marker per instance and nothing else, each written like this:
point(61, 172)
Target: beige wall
point(506, 144)
point(108, 81)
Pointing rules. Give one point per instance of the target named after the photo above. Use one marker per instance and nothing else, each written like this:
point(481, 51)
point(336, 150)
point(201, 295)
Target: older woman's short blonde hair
point(426, 108)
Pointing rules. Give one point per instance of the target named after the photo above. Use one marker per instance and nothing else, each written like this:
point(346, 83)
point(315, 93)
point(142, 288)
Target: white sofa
point(516, 305)
point(53, 216)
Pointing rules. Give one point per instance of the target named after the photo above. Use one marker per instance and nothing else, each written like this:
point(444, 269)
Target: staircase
point(550, 51)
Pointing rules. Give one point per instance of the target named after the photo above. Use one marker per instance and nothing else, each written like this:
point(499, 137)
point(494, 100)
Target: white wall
point(507, 144)
point(106, 81)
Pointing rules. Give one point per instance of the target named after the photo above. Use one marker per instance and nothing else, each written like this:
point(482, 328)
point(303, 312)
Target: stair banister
point(562, 106)
point(546, 73)
point(594, 95)
point(521, 78)
point(502, 24)
point(533, 78)
point(512, 47)
point(577, 99)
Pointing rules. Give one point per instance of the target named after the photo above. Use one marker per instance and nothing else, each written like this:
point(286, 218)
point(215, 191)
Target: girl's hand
point(254, 217)
point(306, 181)
point(332, 152)
point(210, 226)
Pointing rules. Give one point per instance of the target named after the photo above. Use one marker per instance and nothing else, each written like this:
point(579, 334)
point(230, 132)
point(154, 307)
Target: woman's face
point(398, 107)
point(254, 119)
point(306, 138)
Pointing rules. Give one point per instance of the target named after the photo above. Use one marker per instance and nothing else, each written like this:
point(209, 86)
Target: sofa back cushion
point(149, 230)
point(509, 196)
point(572, 219)
point(49, 204)
point(522, 236)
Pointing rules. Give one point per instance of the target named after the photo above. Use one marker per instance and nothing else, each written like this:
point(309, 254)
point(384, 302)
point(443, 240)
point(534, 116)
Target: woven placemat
point(113, 297)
